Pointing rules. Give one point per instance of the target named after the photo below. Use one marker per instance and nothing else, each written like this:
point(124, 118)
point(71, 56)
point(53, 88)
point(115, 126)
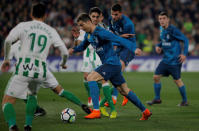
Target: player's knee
point(179, 82)
point(85, 76)
point(8, 99)
point(57, 89)
point(90, 78)
point(156, 79)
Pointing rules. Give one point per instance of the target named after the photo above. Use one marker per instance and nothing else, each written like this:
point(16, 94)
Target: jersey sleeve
point(14, 34)
point(57, 41)
point(14, 50)
point(106, 35)
point(82, 46)
point(128, 28)
point(81, 35)
point(180, 36)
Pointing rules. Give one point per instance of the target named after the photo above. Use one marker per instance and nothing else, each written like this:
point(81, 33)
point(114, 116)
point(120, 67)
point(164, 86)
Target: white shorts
point(89, 65)
point(20, 86)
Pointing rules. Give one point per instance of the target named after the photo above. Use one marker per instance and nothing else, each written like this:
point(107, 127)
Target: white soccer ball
point(68, 115)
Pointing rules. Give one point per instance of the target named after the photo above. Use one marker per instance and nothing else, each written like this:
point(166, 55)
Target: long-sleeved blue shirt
point(101, 40)
point(170, 43)
point(122, 26)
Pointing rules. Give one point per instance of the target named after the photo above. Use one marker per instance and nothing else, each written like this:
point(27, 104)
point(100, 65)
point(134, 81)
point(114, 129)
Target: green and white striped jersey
point(35, 38)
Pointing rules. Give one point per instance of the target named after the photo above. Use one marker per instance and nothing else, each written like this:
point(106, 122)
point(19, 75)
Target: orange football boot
point(125, 100)
point(146, 114)
point(94, 114)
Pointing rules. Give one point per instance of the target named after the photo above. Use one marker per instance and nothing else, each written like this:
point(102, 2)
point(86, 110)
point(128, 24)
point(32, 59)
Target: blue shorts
point(125, 55)
point(112, 73)
point(166, 70)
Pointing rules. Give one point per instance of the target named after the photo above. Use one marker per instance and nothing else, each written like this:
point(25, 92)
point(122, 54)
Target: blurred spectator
point(62, 14)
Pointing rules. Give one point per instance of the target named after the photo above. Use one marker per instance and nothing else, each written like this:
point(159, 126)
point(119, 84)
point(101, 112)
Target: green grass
point(166, 116)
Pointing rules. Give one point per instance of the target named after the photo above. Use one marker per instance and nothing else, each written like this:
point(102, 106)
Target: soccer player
point(14, 51)
point(122, 26)
point(31, 70)
point(91, 61)
point(172, 60)
point(101, 40)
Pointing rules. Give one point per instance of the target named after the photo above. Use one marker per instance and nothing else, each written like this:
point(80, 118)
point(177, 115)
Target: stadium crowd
point(184, 14)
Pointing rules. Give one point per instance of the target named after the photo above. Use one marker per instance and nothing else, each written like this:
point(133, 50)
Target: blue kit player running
point(101, 40)
point(122, 26)
point(173, 58)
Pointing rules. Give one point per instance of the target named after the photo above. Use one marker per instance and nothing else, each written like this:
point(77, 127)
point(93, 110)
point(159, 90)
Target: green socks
point(108, 97)
point(9, 114)
point(70, 97)
point(30, 109)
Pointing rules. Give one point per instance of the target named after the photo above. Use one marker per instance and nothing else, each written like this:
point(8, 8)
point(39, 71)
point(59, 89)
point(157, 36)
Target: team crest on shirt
point(88, 36)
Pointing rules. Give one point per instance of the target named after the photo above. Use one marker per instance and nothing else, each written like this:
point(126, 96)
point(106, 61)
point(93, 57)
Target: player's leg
point(31, 105)
point(182, 90)
point(92, 78)
point(51, 82)
point(16, 88)
point(8, 111)
point(107, 97)
point(87, 88)
point(124, 90)
point(175, 71)
point(161, 70)
point(157, 88)
point(39, 110)
point(114, 93)
point(125, 57)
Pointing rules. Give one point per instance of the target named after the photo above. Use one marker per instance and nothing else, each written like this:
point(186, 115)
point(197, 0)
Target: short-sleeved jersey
point(122, 26)
point(14, 50)
point(170, 43)
point(101, 40)
point(35, 38)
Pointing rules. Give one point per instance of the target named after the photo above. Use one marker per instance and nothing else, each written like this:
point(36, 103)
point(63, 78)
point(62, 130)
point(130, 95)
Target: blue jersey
point(101, 40)
point(170, 43)
point(122, 26)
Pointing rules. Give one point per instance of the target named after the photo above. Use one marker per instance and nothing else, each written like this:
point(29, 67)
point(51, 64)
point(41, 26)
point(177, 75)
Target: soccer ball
point(68, 115)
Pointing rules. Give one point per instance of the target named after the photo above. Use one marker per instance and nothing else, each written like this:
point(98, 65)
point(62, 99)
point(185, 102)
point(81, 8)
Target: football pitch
point(166, 116)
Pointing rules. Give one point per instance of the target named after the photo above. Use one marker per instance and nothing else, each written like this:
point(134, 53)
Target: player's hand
point(5, 66)
point(158, 49)
point(127, 35)
point(182, 58)
point(138, 52)
point(70, 51)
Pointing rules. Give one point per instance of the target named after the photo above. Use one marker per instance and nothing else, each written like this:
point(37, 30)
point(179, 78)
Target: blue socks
point(183, 93)
point(115, 92)
point(135, 100)
point(157, 88)
point(94, 93)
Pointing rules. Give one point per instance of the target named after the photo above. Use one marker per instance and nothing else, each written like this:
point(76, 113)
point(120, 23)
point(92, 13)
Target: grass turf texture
point(166, 116)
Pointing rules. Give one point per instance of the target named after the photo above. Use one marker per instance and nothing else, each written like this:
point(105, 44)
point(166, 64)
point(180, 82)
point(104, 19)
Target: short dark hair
point(38, 10)
point(95, 9)
point(116, 7)
point(83, 17)
point(163, 13)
